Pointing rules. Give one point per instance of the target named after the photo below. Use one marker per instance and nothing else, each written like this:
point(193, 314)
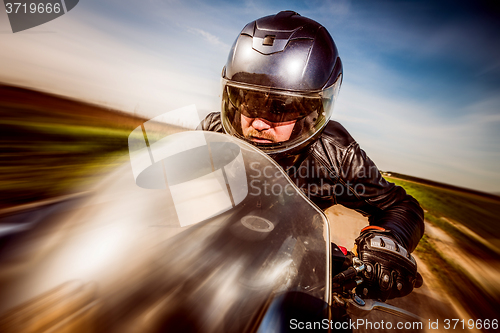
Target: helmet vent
point(269, 40)
point(286, 14)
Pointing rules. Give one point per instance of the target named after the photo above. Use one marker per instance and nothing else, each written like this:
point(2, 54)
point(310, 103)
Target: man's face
point(263, 131)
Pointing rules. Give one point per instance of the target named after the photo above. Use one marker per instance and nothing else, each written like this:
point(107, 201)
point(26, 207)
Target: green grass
point(480, 214)
point(50, 146)
point(47, 160)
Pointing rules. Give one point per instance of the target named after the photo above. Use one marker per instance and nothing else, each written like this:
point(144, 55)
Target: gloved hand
point(390, 270)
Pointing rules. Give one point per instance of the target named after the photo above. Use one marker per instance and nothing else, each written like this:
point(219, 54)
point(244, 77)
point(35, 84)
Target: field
point(453, 209)
point(461, 245)
point(478, 211)
point(51, 146)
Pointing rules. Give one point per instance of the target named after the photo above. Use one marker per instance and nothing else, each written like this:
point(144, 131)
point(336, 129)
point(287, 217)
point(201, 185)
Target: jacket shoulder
point(212, 122)
point(333, 147)
point(337, 135)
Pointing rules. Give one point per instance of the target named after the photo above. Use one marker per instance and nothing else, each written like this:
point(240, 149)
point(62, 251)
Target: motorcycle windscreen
point(211, 231)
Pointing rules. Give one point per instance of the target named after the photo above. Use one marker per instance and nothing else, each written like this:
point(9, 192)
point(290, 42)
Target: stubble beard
point(252, 134)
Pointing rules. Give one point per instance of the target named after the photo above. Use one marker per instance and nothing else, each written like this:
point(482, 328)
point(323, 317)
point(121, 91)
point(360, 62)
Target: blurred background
point(426, 73)
point(421, 94)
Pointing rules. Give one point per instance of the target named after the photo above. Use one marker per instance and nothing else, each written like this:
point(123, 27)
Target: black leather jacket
point(335, 170)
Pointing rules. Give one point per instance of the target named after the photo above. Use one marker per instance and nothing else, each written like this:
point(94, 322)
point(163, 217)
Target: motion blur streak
point(65, 305)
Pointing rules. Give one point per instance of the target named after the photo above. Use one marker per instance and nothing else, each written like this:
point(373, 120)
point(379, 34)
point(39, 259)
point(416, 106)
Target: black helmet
point(283, 69)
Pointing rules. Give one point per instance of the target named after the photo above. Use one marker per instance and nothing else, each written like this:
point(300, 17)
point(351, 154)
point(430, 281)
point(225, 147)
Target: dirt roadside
point(431, 302)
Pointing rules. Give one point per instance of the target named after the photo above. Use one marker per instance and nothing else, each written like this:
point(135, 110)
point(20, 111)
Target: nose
point(260, 125)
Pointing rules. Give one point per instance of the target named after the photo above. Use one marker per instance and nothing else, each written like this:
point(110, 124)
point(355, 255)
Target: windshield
point(213, 233)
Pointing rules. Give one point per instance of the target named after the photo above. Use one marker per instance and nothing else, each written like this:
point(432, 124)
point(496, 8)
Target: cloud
point(209, 37)
point(402, 135)
point(87, 61)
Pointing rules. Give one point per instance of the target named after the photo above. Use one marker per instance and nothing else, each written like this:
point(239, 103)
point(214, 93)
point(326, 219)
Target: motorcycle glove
point(390, 270)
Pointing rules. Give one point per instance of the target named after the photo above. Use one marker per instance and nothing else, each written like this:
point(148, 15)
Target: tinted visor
point(271, 106)
point(309, 110)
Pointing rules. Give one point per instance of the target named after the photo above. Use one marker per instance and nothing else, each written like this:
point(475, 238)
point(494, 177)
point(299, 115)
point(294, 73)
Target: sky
point(421, 86)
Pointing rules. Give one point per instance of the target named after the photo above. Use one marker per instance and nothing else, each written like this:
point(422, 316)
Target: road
point(121, 239)
point(430, 301)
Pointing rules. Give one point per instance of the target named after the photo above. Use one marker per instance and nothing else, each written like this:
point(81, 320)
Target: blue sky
point(421, 89)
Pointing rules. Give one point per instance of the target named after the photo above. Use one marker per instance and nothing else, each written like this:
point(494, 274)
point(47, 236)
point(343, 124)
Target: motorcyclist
point(280, 83)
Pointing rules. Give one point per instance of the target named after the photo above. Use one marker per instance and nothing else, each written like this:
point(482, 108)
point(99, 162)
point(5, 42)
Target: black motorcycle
point(209, 235)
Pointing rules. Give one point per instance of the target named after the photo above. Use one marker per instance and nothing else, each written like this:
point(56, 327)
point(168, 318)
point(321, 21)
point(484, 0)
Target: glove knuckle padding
point(389, 267)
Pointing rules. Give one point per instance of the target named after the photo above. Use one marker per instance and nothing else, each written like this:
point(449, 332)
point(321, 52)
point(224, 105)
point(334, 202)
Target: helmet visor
point(271, 106)
point(275, 120)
